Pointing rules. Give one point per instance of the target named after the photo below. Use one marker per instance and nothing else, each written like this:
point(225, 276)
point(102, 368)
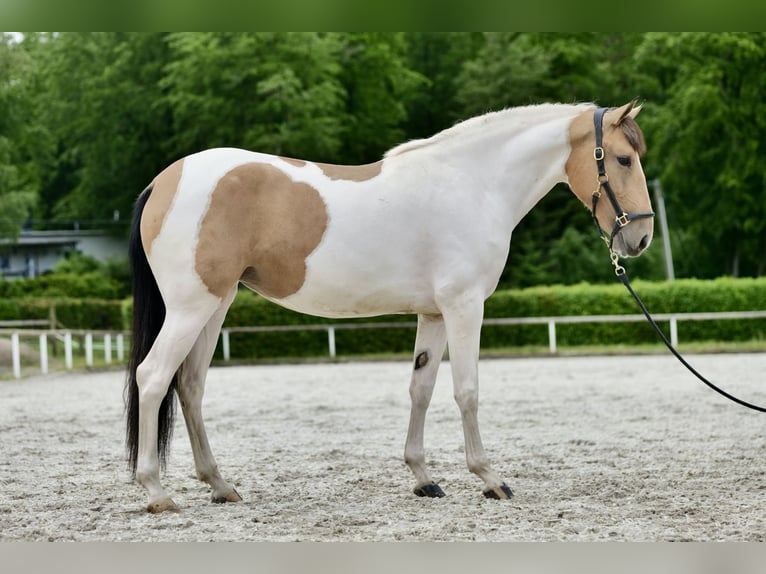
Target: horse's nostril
point(644, 242)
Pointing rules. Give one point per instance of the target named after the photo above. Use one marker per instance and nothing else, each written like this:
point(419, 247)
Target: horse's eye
point(624, 160)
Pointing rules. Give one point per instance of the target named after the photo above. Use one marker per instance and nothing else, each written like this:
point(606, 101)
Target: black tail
point(148, 316)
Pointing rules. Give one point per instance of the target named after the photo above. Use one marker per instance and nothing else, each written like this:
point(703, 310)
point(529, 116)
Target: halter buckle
point(598, 153)
point(622, 220)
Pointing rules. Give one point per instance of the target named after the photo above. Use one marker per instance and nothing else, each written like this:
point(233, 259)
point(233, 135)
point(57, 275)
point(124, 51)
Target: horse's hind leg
point(429, 348)
point(191, 388)
point(153, 376)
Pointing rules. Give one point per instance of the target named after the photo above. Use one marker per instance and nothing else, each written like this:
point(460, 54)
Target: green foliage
point(83, 313)
point(274, 92)
point(75, 285)
point(708, 146)
point(379, 87)
point(76, 276)
point(77, 263)
point(18, 174)
point(101, 96)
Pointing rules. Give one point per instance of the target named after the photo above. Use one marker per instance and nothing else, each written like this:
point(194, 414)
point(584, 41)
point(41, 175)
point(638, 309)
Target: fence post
point(674, 331)
point(44, 354)
point(552, 336)
point(68, 350)
point(225, 344)
point(108, 348)
point(120, 347)
point(89, 349)
point(16, 352)
point(331, 340)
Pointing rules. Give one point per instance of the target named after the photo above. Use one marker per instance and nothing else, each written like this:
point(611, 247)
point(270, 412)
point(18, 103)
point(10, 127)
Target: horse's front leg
point(463, 321)
point(429, 348)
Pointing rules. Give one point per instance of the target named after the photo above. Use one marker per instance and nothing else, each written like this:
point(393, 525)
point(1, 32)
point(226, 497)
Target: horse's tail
point(148, 317)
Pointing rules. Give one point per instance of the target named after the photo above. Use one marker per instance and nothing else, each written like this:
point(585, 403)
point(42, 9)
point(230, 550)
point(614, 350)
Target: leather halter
point(622, 218)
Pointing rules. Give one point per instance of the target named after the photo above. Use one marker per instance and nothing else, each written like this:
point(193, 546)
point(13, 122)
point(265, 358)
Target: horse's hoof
point(431, 490)
point(232, 496)
point(501, 492)
point(166, 505)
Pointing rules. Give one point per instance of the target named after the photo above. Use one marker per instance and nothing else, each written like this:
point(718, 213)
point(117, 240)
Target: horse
point(426, 230)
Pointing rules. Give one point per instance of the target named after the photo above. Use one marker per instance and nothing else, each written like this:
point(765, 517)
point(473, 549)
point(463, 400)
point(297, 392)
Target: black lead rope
point(621, 220)
point(625, 281)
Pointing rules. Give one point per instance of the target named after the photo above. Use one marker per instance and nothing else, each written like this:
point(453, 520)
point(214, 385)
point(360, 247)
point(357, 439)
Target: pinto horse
point(426, 231)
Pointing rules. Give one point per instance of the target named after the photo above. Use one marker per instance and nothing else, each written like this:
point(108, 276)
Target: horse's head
point(608, 178)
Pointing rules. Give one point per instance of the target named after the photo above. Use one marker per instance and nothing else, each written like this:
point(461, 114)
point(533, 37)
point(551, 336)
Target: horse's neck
point(518, 160)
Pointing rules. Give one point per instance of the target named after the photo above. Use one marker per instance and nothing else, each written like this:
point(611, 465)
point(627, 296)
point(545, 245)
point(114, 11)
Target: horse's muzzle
point(632, 242)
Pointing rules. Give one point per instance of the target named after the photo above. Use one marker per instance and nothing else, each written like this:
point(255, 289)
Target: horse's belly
point(338, 292)
point(348, 300)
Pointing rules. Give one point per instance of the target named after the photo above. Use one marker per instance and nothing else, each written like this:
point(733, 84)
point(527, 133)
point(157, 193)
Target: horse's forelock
point(634, 135)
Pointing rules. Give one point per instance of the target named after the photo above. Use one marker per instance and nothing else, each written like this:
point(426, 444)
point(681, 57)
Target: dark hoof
point(431, 490)
point(501, 492)
point(232, 496)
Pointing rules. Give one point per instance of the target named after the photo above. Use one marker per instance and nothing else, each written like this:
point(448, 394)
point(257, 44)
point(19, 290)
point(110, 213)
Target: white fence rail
point(111, 343)
point(107, 341)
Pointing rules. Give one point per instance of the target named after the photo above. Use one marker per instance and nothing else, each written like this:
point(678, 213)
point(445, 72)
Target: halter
point(622, 218)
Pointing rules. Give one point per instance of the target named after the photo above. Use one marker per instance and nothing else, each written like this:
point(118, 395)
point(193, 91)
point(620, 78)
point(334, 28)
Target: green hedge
point(62, 285)
point(71, 313)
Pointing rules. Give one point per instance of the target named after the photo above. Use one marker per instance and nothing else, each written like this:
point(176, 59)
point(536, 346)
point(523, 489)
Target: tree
point(19, 179)
point(708, 147)
point(439, 58)
point(279, 93)
point(100, 95)
point(380, 86)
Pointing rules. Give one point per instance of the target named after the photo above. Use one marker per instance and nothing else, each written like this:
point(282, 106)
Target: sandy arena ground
point(595, 448)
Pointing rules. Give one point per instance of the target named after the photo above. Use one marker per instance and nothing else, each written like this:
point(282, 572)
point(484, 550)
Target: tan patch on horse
point(157, 206)
point(344, 172)
point(352, 172)
point(581, 166)
point(259, 228)
point(295, 162)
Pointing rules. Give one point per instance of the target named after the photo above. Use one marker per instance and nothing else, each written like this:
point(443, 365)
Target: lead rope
point(619, 270)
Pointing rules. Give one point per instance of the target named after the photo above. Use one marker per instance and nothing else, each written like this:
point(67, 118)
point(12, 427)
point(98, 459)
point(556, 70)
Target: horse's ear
point(636, 108)
point(618, 115)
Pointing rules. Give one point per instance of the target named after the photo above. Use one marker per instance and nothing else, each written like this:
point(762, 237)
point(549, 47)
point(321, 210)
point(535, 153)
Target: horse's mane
point(542, 112)
point(515, 115)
